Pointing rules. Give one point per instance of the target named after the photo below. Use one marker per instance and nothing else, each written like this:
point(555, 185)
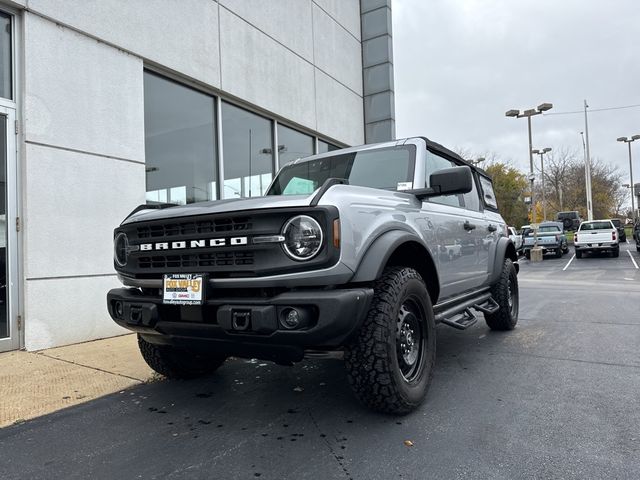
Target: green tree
point(510, 187)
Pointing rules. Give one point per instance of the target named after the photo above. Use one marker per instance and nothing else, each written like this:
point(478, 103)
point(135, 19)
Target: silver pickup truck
point(549, 236)
point(358, 253)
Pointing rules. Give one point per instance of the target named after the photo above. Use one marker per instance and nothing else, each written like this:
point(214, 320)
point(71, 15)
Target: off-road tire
point(372, 358)
point(578, 254)
point(176, 363)
point(616, 252)
point(559, 252)
point(505, 293)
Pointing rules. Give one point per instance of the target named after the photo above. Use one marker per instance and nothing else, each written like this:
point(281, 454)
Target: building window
point(292, 145)
point(247, 145)
point(6, 90)
point(324, 147)
point(180, 142)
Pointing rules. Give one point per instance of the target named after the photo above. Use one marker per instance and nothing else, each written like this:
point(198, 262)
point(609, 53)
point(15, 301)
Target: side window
point(488, 193)
point(471, 199)
point(435, 163)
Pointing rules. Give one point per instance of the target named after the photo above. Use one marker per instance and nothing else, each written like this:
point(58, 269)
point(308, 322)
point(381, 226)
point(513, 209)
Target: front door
point(9, 328)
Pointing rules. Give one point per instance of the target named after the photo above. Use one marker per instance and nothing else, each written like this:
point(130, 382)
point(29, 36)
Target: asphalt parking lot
point(556, 398)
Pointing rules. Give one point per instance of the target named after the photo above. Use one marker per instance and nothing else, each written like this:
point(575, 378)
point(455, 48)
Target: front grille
point(226, 260)
point(221, 259)
point(195, 227)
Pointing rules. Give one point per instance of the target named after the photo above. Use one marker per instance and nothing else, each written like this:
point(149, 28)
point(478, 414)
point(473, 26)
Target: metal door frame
point(14, 341)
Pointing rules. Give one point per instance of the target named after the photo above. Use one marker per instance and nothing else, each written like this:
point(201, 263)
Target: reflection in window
point(5, 56)
point(433, 164)
point(247, 143)
point(489, 195)
point(293, 145)
point(324, 147)
point(388, 168)
point(180, 145)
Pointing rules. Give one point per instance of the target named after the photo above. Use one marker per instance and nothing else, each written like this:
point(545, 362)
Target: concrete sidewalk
point(36, 383)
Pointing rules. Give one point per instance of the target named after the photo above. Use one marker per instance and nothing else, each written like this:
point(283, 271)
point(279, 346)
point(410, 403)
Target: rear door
point(494, 224)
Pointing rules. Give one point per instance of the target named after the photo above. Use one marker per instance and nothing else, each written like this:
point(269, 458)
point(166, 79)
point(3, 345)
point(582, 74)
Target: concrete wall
point(83, 163)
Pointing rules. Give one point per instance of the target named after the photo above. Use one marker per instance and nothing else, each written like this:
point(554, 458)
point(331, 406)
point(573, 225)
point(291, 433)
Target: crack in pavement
point(337, 458)
point(92, 368)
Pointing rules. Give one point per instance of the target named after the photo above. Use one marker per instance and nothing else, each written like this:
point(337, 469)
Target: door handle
point(469, 226)
point(492, 228)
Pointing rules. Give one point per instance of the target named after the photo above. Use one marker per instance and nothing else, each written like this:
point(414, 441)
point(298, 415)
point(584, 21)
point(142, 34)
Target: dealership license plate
point(183, 289)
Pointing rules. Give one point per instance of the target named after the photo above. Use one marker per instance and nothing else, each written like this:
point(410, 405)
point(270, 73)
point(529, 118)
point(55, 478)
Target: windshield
point(386, 168)
point(549, 228)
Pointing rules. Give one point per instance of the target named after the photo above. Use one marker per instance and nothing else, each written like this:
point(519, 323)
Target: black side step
point(462, 321)
point(490, 306)
point(457, 313)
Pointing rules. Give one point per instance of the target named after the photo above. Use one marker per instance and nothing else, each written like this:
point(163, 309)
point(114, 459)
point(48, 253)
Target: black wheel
point(637, 248)
point(176, 363)
point(559, 252)
point(390, 361)
point(505, 293)
point(578, 254)
point(527, 254)
point(616, 252)
point(567, 223)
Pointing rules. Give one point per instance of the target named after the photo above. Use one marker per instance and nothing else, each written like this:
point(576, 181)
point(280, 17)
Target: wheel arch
point(399, 248)
point(504, 249)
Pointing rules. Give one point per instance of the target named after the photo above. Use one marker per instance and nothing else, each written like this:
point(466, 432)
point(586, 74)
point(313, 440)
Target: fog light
point(290, 318)
point(118, 309)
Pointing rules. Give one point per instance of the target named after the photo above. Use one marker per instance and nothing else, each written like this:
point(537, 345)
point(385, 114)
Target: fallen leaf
point(408, 443)
point(298, 389)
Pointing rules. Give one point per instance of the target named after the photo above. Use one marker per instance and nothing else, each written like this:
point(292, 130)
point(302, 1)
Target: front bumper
point(250, 327)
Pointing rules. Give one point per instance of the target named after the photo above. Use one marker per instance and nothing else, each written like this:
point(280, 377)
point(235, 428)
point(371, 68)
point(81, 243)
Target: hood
point(235, 205)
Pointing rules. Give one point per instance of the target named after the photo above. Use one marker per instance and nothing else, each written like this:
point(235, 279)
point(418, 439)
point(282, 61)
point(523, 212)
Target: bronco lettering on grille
point(204, 243)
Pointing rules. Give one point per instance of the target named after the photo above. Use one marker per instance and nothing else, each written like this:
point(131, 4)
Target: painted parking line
point(571, 260)
point(632, 259)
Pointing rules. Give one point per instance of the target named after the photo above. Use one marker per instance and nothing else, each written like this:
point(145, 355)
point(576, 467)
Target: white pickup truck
point(515, 238)
point(596, 236)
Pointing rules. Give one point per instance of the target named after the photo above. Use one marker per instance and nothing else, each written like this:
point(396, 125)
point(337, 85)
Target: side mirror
point(448, 181)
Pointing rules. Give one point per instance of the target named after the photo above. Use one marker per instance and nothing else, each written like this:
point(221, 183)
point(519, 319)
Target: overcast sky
point(460, 64)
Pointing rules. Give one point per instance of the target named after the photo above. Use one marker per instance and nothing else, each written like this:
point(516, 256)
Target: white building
point(105, 104)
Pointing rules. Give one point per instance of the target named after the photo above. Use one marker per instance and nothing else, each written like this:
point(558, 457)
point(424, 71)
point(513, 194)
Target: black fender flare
point(504, 249)
point(379, 252)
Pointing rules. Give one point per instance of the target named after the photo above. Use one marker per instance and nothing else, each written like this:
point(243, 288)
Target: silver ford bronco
point(358, 252)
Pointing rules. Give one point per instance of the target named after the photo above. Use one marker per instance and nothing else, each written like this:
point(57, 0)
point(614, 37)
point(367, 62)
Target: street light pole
point(628, 141)
point(544, 193)
point(543, 107)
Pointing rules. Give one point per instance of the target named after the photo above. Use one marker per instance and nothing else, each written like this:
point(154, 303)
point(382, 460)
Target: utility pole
point(587, 166)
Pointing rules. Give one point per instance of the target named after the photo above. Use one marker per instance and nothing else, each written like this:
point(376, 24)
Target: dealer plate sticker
point(183, 289)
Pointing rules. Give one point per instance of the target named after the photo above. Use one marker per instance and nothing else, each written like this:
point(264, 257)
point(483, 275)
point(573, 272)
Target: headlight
point(302, 237)
point(120, 249)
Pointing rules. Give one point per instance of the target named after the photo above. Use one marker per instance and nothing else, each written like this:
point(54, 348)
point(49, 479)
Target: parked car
point(515, 238)
point(596, 236)
point(570, 220)
point(342, 255)
point(550, 236)
point(622, 235)
point(636, 235)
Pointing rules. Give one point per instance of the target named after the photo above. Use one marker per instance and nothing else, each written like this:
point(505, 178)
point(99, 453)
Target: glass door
point(9, 328)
